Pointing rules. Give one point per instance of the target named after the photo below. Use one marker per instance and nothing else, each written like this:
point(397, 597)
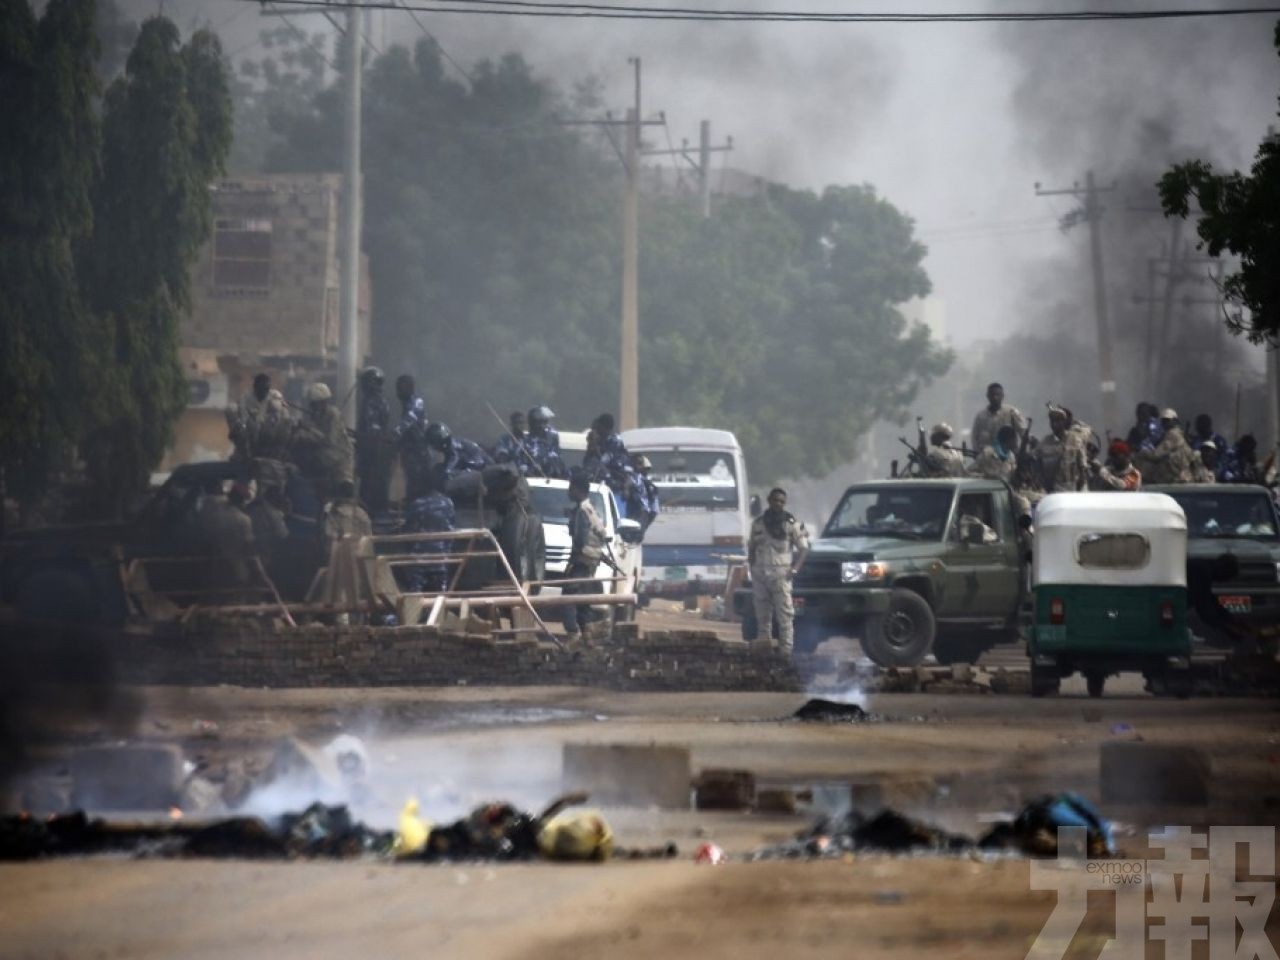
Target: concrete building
point(265, 299)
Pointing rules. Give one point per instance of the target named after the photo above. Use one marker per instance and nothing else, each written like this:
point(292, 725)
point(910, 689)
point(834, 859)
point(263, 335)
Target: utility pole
point(629, 374)
point(349, 279)
point(1091, 213)
point(629, 354)
point(702, 164)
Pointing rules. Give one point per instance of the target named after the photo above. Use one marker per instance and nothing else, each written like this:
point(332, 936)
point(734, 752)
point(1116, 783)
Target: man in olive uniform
point(1204, 468)
point(588, 536)
point(776, 549)
point(321, 444)
point(943, 460)
point(343, 516)
point(1171, 460)
point(999, 460)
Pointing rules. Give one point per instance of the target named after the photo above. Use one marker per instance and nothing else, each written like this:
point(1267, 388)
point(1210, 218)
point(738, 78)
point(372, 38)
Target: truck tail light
point(1166, 613)
point(1057, 611)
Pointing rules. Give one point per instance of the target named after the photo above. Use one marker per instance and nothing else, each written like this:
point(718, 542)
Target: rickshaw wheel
point(1095, 682)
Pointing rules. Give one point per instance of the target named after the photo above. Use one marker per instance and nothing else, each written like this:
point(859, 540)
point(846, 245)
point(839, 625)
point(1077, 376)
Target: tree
point(166, 135)
point(494, 242)
point(1240, 215)
point(47, 163)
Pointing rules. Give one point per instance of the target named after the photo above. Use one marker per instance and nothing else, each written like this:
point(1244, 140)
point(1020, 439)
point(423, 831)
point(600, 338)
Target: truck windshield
point(912, 514)
point(1213, 515)
point(553, 504)
point(694, 480)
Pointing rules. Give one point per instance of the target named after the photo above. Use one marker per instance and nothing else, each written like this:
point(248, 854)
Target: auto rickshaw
point(1109, 575)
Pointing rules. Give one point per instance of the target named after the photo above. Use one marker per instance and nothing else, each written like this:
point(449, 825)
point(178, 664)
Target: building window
point(242, 256)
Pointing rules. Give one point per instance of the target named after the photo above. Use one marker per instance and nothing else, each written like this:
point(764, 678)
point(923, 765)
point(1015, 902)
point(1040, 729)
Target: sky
point(953, 123)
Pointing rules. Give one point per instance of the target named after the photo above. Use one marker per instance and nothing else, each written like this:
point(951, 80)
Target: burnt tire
point(903, 635)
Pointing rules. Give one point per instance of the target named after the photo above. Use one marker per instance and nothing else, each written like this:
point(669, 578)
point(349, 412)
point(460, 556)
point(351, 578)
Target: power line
point(545, 8)
point(443, 52)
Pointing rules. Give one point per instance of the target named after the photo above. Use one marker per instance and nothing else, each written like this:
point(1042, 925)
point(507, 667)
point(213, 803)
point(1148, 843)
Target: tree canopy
point(494, 241)
point(104, 203)
point(1240, 215)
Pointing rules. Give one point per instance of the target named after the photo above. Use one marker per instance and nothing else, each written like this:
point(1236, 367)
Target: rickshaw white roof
point(1111, 511)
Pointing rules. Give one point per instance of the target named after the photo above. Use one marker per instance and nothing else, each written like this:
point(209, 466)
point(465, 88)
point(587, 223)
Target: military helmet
point(641, 462)
point(541, 414)
point(318, 392)
point(373, 375)
point(941, 428)
point(1168, 413)
point(438, 434)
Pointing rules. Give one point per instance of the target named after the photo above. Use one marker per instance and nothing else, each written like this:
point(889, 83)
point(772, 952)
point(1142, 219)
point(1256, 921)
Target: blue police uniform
point(644, 504)
point(611, 465)
point(410, 436)
point(460, 455)
point(544, 448)
point(507, 450)
point(431, 513)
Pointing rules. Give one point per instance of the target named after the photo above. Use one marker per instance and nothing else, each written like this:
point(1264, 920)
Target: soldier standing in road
point(373, 417)
point(943, 460)
point(1170, 461)
point(775, 551)
point(588, 537)
point(994, 416)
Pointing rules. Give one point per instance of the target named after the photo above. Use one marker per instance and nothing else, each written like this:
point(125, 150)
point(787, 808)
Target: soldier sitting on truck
point(999, 460)
point(456, 454)
point(943, 460)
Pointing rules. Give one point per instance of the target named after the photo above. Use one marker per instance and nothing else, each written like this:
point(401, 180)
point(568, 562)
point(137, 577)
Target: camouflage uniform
point(372, 419)
point(324, 447)
point(544, 448)
point(1063, 462)
point(1200, 473)
point(344, 518)
point(944, 460)
point(771, 551)
point(229, 532)
point(269, 528)
point(1170, 461)
point(588, 536)
point(609, 463)
point(986, 424)
point(991, 466)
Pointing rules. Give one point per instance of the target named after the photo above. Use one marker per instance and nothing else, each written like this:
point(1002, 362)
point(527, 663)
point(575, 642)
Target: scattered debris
point(576, 835)
point(710, 854)
point(1035, 830)
point(818, 710)
point(717, 789)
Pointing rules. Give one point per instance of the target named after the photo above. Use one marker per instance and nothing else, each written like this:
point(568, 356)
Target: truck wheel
point(903, 636)
point(1095, 682)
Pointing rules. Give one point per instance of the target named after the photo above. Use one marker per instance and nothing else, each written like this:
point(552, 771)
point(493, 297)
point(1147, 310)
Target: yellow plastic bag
point(412, 832)
point(576, 835)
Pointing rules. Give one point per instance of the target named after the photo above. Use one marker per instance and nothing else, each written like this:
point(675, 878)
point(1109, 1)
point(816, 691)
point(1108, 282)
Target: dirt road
point(950, 759)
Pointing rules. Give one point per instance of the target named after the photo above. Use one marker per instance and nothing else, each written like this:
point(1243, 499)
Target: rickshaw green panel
point(1112, 620)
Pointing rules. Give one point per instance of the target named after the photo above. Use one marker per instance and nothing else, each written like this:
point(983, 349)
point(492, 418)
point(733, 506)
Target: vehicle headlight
point(856, 571)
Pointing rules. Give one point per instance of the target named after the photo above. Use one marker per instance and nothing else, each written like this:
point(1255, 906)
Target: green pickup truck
point(912, 567)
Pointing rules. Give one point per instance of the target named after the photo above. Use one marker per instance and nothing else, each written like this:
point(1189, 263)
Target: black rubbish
point(819, 710)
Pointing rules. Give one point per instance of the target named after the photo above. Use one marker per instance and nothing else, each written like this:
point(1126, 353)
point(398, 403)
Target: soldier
point(1063, 464)
point(410, 436)
point(1118, 473)
point(228, 531)
point(1242, 462)
point(994, 416)
point(373, 418)
point(242, 418)
point(1027, 484)
point(321, 444)
point(344, 517)
point(998, 461)
point(1145, 433)
point(607, 461)
point(776, 549)
point(644, 503)
point(943, 460)
point(511, 447)
point(587, 536)
point(1204, 433)
point(266, 513)
point(543, 443)
point(430, 512)
point(1204, 468)
point(456, 455)
point(1170, 461)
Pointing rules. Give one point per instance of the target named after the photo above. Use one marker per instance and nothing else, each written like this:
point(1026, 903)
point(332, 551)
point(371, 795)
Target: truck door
point(981, 581)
